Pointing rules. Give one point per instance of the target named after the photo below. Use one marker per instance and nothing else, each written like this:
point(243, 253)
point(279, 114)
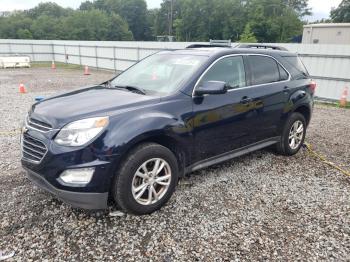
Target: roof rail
point(262, 46)
point(221, 42)
point(204, 46)
point(213, 43)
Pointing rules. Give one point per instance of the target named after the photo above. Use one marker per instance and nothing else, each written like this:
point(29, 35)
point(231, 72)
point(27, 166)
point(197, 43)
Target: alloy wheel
point(151, 181)
point(296, 134)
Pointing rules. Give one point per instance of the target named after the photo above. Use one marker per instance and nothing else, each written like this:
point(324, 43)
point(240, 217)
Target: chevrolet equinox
point(131, 138)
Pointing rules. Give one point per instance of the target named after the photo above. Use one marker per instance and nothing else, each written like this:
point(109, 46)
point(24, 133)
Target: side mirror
point(211, 88)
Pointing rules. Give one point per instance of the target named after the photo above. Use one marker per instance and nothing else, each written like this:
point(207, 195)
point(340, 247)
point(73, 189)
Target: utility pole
point(171, 17)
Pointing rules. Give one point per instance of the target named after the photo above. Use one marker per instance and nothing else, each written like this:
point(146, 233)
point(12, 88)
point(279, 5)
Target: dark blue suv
point(131, 138)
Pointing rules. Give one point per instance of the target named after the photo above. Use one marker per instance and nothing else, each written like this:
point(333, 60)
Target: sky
point(320, 8)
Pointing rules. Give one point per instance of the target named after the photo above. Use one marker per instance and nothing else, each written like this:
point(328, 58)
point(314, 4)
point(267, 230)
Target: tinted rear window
point(296, 63)
point(263, 69)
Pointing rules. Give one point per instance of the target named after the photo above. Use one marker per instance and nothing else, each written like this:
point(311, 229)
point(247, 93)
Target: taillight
point(312, 86)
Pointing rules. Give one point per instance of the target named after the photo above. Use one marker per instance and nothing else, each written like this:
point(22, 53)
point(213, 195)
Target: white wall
point(329, 64)
point(326, 35)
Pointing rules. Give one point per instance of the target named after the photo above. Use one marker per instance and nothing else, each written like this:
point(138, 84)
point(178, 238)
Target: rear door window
point(263, 69)
point(297, 65)
point(283, 73)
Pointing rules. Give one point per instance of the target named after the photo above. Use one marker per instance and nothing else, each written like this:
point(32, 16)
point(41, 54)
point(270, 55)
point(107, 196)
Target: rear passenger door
point(268, 94)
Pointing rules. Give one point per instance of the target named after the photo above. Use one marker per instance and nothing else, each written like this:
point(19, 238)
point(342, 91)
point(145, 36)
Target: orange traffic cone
point(86, 70)
point(53, 66)
point(22, 89)
point(343, 99)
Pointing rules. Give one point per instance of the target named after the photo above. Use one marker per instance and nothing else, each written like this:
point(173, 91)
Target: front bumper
point(46, 172)
point(83, 200)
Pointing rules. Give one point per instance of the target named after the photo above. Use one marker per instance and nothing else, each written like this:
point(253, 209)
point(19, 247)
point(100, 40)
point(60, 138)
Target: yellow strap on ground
point(323, 159)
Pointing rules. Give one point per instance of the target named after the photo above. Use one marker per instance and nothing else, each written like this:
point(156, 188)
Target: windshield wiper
point(134, 89)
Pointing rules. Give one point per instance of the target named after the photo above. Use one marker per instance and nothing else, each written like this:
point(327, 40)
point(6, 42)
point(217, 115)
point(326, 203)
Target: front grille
point(33, 149)
point(38, 125)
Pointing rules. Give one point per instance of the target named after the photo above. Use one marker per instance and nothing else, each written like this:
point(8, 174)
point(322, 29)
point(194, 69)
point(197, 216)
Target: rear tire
point(293, 135)
point(146, 179)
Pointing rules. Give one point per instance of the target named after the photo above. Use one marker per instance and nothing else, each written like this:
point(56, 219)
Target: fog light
point(76, 177)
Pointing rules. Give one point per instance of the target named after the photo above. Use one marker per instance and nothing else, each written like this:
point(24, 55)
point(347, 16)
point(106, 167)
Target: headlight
point(82, 131)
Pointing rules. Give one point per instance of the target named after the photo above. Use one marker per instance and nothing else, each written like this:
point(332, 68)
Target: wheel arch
point(305, 111)
point(180, 152)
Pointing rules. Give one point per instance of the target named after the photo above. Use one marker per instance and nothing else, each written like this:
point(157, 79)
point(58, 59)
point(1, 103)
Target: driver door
point(222, 122)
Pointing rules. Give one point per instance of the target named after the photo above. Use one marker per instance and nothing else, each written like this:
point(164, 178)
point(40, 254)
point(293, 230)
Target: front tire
point(146, 179)
point(293, 135)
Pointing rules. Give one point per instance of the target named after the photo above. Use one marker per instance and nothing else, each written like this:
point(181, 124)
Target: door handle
point(246, 100)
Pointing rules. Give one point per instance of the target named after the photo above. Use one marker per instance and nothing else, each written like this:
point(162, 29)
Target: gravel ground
point(256, 207)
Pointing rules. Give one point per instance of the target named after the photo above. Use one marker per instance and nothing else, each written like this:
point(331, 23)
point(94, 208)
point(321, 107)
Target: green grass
point(58, 65)
point(347, 105)
point(332, 104)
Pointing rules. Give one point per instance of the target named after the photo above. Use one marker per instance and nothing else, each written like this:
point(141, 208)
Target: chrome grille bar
point(34, 145)
point(33, 150)
point(38, 125)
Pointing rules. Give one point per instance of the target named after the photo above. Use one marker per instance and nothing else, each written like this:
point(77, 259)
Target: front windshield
point(160, 74)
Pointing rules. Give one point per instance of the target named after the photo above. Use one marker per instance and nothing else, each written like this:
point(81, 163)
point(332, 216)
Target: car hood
point(88, 102)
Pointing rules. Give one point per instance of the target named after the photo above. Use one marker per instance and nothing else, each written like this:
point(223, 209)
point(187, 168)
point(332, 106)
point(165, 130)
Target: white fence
point(329, 65)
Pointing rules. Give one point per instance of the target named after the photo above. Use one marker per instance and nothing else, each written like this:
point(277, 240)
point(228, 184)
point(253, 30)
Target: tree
point(273, 21)
point(10, 25)
point(46, 27)
point(152, 16)
point(49, 9)
point(87, 25)
point(118, 29)
point(342, 13)
point(95, 25)
point(193, 20)
point(86, 6)
point(301, 7)
point(134, 12)
point(24, 34)
point(202, 20)
point(247, 36)
point(162, 21)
